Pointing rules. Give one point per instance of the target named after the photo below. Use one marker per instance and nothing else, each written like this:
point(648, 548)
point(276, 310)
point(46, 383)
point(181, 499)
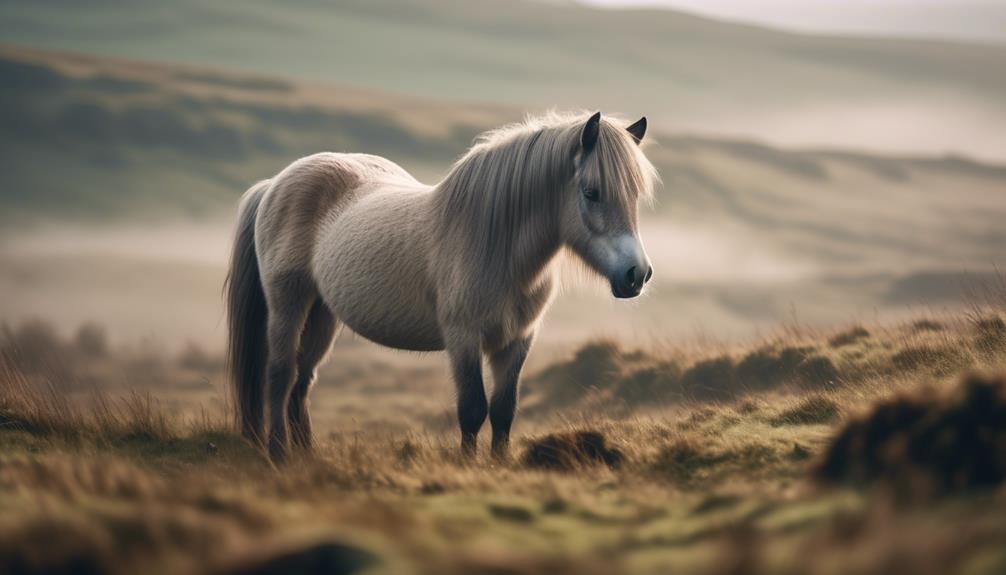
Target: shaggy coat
point(464, 266)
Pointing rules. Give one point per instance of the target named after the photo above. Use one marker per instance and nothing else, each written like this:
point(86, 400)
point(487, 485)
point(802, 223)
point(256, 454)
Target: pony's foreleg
point(507, 364)
point(466, 366)
point(319, 332)
point(288, 309)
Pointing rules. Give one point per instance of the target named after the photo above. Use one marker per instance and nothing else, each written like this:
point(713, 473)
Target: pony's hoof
point(469, 449)
point(501, 452)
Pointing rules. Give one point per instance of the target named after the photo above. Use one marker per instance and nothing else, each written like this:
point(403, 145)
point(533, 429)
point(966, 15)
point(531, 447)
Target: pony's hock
point(464, 266)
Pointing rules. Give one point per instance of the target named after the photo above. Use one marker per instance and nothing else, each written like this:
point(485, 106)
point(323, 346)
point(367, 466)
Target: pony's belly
point(391, 307)
point(370, 269)
point(401, 331)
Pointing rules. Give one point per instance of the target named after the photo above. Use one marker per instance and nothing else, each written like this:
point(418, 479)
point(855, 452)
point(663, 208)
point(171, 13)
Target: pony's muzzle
point(630, 283)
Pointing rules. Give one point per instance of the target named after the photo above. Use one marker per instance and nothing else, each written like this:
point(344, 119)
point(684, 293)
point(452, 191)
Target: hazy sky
point(949, 19)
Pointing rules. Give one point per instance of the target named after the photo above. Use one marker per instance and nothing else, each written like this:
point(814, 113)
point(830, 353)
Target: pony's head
point(525, 190)
point(598, 217)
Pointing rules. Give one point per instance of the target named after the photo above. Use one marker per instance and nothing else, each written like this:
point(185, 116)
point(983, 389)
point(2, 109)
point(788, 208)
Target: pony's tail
point(246, 320)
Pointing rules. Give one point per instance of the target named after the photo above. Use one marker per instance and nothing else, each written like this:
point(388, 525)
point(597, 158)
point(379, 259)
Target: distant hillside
point(118, 180)
point(683, 71)
point(84, 138)
point(100, 139)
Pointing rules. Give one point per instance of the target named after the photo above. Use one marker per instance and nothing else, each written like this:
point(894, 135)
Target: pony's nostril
point(630, 277)
point(649, 274)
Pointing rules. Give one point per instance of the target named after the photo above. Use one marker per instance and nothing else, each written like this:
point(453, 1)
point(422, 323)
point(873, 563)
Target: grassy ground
point(643, 461)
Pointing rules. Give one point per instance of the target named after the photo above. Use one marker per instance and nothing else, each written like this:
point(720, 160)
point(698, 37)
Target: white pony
point(463, 266)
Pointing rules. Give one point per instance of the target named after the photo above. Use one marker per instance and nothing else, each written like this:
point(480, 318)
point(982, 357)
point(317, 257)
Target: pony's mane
point(521, 169)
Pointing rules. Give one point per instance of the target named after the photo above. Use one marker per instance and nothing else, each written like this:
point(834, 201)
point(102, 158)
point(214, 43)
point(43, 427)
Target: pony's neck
point(501, 203)
point(536, 244)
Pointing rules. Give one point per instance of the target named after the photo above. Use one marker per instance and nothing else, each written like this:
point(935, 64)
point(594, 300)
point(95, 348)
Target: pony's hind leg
point(289, 303)
point(315, 343)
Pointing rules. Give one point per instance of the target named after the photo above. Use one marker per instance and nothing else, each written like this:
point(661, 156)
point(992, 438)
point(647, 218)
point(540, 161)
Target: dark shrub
point(940, 360)
point(35, 348)
point(849, 337)
point(688, 462)
point(682, 459)
point(91, 340)
point(710, 379)
point(597, 364)
point(924, 325)
point(656, 383)
point(812, 410)
point(817, 371)
point(767, 368)
point(568, 451)
point(991, 334)
point(926, 444)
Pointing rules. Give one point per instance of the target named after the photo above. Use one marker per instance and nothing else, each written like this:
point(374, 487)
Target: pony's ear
point(588, 138)
point(638, 130)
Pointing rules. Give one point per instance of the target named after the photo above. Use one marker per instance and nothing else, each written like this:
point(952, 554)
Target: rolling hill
point(120, 173)
point(683, 71)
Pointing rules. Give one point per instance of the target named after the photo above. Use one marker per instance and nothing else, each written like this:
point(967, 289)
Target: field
point(814, 381)
point(769, 457)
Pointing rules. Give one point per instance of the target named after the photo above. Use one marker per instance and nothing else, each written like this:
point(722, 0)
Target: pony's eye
point(592, 194)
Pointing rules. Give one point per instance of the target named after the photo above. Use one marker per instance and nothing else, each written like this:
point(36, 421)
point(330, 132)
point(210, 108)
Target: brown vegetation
point(570, 451)
point(926, 443)
point(668, 461)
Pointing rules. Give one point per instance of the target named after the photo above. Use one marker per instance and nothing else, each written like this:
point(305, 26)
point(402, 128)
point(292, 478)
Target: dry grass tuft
point(656, 382)
point(927, 325)
point(769, 367)
point(813, 410)
point(571, 451)
point(990, 334)
point(849, 337)
point(682, 459)
point(689, 462)
point(926, 443)
point(941, 360)
point(710, 379)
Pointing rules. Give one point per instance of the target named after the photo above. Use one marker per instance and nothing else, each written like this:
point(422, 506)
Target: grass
point(815, 409)
point(729, 480)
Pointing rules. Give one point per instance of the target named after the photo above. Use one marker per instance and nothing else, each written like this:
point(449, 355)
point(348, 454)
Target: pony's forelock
point(625, 171)
point(625, 167)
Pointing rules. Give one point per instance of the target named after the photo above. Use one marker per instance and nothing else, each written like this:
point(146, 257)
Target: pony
point(466, 265)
